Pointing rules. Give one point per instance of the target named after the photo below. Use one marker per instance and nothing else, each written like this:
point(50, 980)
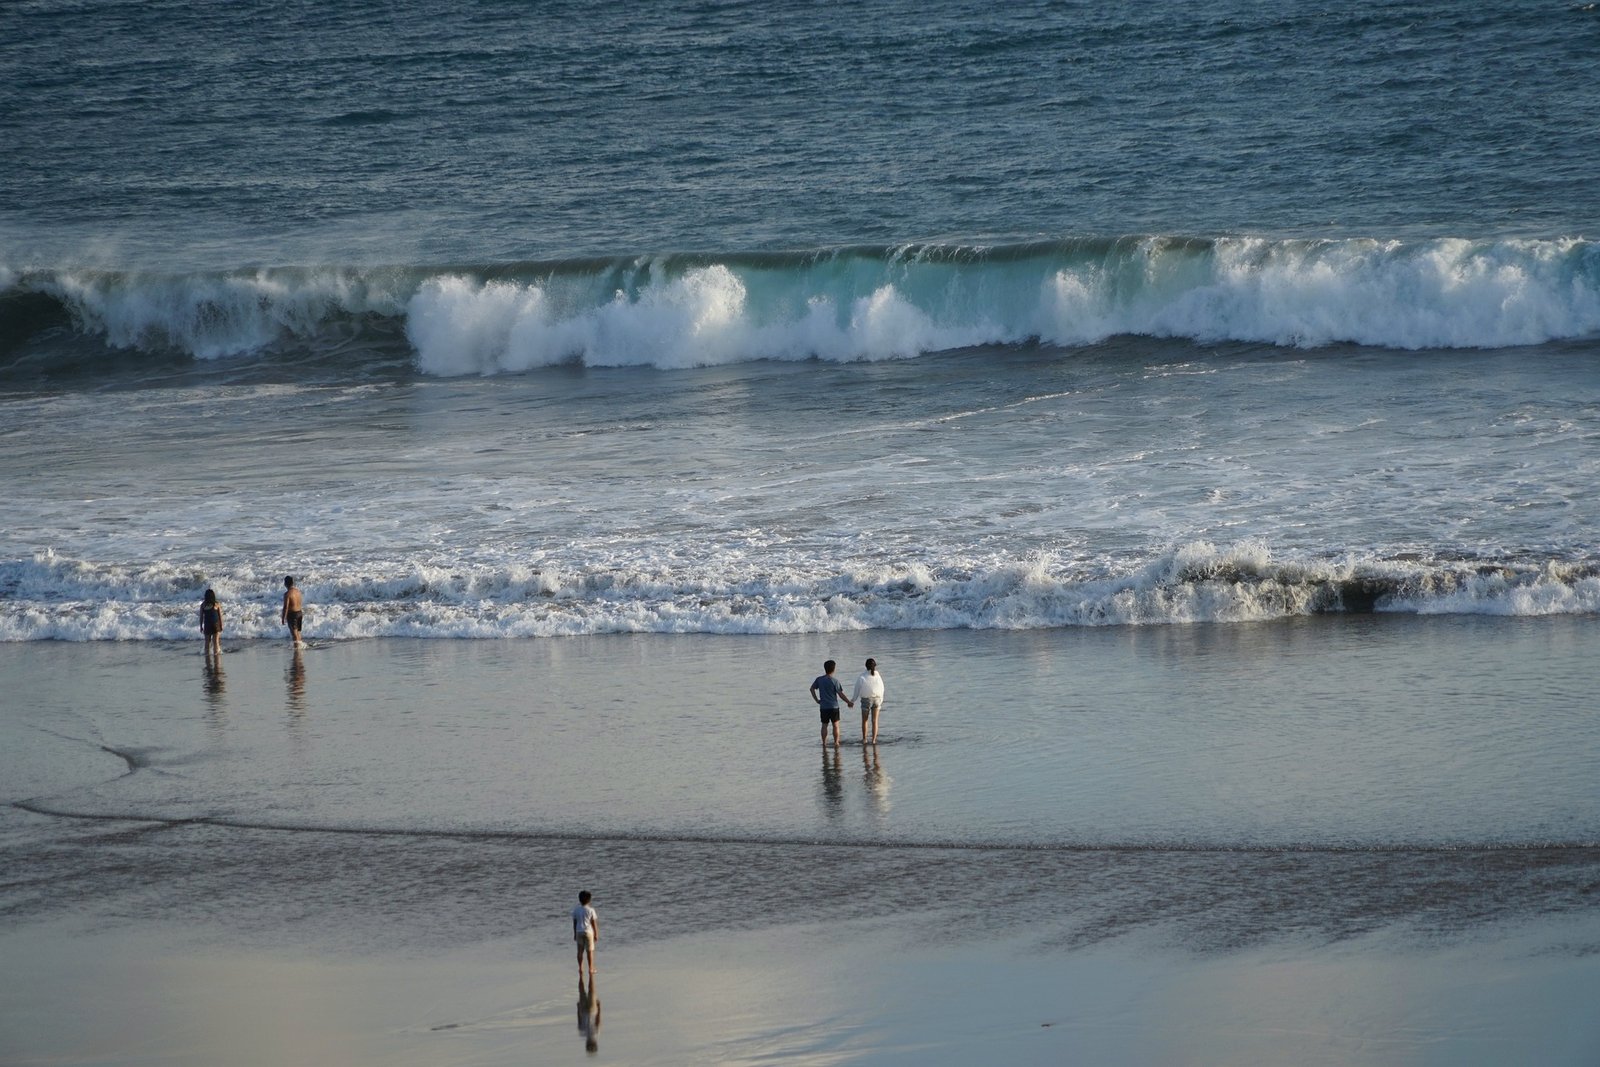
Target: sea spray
point(850, 304)
point(52, 598)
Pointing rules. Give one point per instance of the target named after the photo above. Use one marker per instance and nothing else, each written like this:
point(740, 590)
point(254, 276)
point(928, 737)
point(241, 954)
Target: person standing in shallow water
point(211, 623)
point(869, 693)
point(827, 691)
point(293, 613)
point(585, 932)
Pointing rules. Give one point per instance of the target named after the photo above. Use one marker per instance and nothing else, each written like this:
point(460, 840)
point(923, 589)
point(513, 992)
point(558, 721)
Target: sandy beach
point(364, 854)
point(812, 993)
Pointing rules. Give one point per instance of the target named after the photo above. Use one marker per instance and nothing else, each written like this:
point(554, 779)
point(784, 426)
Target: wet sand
point(366, 855)
point(817, 993)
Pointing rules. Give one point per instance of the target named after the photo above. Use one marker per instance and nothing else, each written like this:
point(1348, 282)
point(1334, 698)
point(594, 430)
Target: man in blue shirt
point(827, 691)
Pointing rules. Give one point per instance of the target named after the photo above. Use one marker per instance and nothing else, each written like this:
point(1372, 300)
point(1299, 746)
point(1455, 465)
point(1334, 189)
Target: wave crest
point(857, 304)
point(49, 597)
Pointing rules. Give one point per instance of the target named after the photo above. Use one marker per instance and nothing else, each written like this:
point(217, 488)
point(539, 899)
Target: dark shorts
point(830, 715)
point(294, 618)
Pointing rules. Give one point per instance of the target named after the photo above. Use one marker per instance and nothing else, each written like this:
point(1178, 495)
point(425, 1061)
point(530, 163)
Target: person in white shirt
point(869, 694)
point(585, 932)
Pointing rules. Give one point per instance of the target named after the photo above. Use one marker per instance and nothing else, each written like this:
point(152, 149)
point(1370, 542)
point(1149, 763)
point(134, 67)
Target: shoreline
point(379, 845)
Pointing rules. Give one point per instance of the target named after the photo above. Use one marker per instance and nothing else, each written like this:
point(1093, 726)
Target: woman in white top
point(869, 695)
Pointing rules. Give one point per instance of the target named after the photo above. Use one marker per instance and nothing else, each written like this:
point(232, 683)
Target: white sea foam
point(211, 316)
point(50, 598)
point(705, 317)
point(677, 312)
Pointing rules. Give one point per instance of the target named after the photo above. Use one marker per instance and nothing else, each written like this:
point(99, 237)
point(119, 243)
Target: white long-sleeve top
point(870, 684)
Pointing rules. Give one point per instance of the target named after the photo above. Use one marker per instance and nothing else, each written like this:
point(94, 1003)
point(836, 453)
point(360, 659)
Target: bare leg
point(875, 725)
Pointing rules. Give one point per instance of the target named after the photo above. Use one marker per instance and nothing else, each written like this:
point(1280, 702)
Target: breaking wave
point(52, 598)
point(842, 304)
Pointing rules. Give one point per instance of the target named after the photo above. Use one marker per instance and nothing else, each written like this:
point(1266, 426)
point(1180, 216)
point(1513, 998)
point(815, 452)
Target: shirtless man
point(293, 609)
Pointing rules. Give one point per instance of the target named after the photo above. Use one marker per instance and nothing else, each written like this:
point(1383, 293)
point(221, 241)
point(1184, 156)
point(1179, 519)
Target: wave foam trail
point(210, 316)
point(1442, 294)
point(51, 598)
point(859, 304)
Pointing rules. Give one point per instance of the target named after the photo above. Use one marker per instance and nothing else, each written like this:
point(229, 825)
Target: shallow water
point(1332, 763)
point(1325, 733)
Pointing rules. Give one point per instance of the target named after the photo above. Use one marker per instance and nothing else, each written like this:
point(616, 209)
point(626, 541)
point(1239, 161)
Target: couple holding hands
point(827, 691)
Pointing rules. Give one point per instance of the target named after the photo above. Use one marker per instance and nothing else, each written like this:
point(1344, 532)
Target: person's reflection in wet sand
point(832, 782)
point(876, 780)
point(295, 677)
point(214, 685)
point(589, 1014)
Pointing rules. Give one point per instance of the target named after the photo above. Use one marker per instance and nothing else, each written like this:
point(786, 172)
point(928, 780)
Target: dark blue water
point(183, 134)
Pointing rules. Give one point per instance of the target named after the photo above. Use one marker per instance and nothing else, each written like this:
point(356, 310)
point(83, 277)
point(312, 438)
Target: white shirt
point(583, 920)
point(869, 684)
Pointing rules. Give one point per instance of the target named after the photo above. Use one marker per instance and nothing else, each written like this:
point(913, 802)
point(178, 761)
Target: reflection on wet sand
point(295, 677)
point(213, 686)
point(832, 782)
point(589, 1014)
point(214, 683)
point(876, 780)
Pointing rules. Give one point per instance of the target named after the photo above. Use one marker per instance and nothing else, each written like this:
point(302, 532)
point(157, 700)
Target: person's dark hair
point(210, 597)
point(584, 896)
point(872, 664)
point(288, 581)
point(827, 668)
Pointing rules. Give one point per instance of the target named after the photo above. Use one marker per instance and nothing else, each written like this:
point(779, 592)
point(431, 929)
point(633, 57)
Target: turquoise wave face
point(849, 304)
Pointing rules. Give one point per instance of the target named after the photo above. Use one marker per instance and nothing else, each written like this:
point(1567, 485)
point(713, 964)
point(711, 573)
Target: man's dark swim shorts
point(294, 619)
point(830, 715)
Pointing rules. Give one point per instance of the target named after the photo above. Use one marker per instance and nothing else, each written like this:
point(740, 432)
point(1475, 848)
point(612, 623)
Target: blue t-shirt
point(829, 690)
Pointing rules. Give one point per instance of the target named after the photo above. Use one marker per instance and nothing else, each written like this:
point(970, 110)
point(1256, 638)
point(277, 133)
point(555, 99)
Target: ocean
point(537, 321)
point(1193, 407)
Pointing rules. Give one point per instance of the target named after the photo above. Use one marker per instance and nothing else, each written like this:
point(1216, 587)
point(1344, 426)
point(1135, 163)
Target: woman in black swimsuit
point(211, 623)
